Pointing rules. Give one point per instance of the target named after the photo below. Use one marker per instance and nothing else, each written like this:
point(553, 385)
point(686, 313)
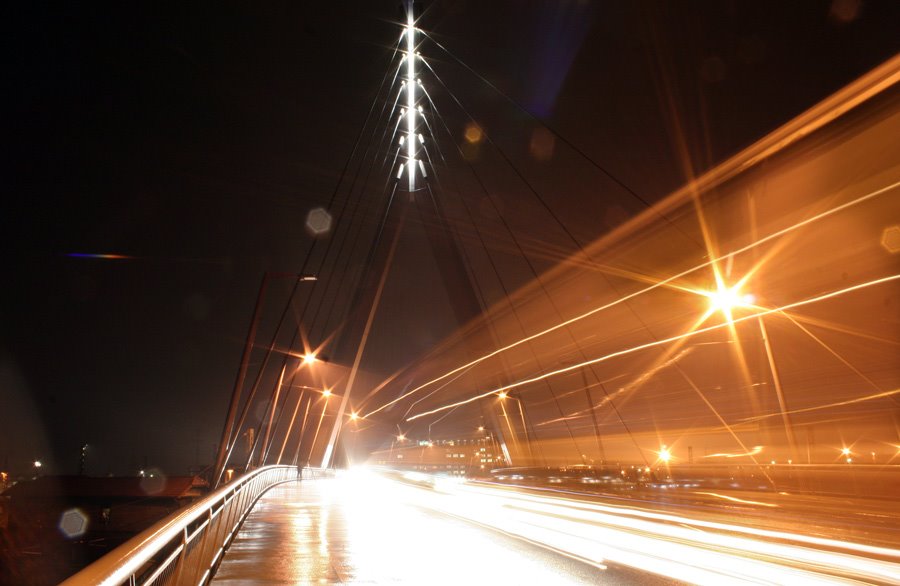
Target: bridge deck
point(326, 532)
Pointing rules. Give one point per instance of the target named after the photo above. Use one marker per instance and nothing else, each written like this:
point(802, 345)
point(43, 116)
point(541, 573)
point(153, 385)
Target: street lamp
point(665, 455)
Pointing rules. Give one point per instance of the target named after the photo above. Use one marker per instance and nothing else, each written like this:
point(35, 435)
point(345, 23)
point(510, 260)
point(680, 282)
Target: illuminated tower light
point(411, 97)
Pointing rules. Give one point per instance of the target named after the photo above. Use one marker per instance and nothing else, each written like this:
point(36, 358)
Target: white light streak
point(679, 547)
point(411, 98)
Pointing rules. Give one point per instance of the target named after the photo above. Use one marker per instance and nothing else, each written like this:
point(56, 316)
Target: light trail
point(756, 450)
point(662, 342)
point(621, 390)
point(664, 282)
point(734, 499)
point(882, 395)
point(687, 549)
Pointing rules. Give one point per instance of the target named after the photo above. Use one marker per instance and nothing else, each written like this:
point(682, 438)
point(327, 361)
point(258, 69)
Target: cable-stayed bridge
point(708, 393)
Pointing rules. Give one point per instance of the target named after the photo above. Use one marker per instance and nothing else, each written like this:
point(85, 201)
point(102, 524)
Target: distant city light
point(664, 454)
point(38, 464)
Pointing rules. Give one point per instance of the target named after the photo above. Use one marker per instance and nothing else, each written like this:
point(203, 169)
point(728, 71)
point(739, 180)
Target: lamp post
point(503, 396)
point(227, 442)
point(326, 394)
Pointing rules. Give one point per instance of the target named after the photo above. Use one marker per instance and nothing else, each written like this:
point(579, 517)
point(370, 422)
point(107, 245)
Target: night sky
point(194, 139)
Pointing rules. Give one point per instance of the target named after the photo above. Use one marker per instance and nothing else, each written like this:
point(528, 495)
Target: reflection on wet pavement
point(330, 531)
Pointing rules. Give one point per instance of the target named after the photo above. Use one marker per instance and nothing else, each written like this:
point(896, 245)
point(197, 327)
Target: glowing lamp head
point(401, 437)
point(502, 394)
point(725, 299)
point(354, 416)
point(664, 454)
point(326, 393)
point(38, 464)
point(309, 358)
point(845, 451)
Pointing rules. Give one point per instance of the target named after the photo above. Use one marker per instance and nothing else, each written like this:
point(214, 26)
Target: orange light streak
point(882, 395)
point(653, 344)
point(756, 450)
point(734, 499)
point(664, 282)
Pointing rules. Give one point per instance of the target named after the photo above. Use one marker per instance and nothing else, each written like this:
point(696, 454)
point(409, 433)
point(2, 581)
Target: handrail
point(186, 546)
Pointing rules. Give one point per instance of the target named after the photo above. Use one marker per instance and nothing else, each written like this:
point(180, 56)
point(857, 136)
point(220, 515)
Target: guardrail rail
point(186, 546)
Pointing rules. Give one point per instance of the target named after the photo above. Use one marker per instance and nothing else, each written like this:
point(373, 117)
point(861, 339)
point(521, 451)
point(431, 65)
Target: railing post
point(200, 548)
point(179, 566)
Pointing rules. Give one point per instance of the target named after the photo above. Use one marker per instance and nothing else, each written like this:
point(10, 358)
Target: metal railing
point(186, 546)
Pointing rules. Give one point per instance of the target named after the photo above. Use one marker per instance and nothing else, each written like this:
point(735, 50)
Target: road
point(370, 530)
point(406, 528)
point(871, 521)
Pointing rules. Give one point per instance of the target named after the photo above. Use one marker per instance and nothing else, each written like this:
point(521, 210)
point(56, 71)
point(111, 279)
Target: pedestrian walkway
point(347, 531)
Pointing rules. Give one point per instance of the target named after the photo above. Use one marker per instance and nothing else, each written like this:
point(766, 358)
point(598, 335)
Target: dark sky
point(195, 138)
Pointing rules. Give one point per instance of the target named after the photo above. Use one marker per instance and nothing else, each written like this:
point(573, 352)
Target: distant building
point(469, 457)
